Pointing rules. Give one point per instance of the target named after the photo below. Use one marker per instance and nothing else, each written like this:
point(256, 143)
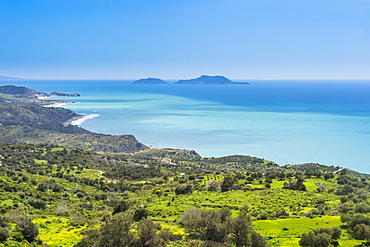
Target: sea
point(284, 121)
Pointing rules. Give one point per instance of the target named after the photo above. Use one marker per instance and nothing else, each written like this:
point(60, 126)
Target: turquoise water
point(288, 122)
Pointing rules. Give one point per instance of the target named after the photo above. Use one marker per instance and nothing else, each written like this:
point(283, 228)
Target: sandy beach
point(79, 120)
point(56, 105)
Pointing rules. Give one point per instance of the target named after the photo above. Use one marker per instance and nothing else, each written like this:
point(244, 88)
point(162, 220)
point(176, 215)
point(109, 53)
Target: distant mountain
point(5, 78)
point(23, 92)
point(206, 79)
point(150, 81)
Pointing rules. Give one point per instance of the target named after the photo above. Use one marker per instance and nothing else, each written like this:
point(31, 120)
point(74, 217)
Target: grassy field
point(58, 231)
point(287, 232)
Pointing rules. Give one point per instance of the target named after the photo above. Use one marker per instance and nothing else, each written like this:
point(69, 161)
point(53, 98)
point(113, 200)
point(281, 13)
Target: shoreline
point(56, 105)
point(77, 121)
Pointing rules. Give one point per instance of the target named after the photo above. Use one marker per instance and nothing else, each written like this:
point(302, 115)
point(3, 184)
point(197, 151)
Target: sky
point(169, 39)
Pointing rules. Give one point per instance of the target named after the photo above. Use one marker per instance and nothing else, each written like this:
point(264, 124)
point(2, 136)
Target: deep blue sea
point(288, 122)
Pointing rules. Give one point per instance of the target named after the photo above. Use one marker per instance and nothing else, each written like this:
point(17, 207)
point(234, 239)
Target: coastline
point(56, 105)
point(77, 121)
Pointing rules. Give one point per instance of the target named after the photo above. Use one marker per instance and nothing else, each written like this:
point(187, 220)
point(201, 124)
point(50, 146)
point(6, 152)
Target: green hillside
point(74, 197)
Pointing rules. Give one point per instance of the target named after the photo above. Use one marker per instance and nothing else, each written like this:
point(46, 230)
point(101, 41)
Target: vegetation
point(52, 195)
point(56, 196)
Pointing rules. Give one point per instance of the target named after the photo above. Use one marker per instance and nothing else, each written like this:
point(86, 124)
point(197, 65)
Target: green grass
point(40, 162)
point(87, 173)
point(56, 231)
point(287, 232)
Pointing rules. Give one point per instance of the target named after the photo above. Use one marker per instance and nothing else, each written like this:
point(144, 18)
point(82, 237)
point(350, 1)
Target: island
point(206, 79)
point(150, 81)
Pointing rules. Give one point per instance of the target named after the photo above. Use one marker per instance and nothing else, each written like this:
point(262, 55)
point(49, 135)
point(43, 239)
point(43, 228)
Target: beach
point(77, 121)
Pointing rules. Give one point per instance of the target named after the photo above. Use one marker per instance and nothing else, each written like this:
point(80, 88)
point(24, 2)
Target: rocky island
point(206, 79)
point(150, 81)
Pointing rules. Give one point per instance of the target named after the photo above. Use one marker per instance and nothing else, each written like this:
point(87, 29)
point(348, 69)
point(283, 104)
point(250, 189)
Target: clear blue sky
point(173, 39)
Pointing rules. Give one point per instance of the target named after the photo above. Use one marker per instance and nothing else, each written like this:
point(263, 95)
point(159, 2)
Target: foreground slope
point(77, 197)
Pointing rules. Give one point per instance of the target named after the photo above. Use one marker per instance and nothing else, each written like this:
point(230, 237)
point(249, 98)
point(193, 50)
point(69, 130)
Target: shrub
point(122, 206)
point(28, 229)
point(140, 213)
point(321, 237)
point(38, 204)
point(4, 233)
point(184, 189)
point(361, 232)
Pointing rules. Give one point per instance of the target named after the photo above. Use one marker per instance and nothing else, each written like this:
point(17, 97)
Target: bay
point(288, 122)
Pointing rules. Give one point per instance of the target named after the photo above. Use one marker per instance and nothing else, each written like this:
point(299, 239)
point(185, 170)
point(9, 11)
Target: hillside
point(55, 196)
point(26, 120)
point(23, 92)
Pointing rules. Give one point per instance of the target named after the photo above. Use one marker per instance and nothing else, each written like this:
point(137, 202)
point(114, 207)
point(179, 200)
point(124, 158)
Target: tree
point(314, 240)
point(206, 224)
point(361, 232)
point(321, 237)
point(28, 229)
point(117, 232)
point(121, 206)
point(147, 236)
point(140, 213)
point(242, 233)
point(217, 228)
point(184, 189)
point(4, 233)
point(227, 183)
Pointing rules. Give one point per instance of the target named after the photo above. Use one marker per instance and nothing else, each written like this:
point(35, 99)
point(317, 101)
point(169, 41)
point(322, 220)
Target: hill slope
point(27, 121)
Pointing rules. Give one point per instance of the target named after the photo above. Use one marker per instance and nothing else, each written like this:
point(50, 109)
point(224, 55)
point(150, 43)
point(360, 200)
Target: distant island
point(6, 78)
point(206, 79)
point(150, 81)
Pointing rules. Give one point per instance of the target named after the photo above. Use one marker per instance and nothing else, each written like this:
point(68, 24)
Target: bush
point(184, 189)
point(140, 213)
point(4, 234)
point(314, 240)
point(321, 237)
point(122, 206)
point(361, 232)
point(28, 229)
point(38, 204)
